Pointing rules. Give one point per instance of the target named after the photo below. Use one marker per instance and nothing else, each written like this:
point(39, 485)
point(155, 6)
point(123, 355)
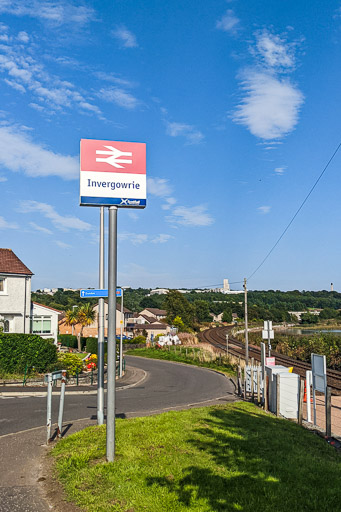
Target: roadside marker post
point(112, 174)
point(50, 378)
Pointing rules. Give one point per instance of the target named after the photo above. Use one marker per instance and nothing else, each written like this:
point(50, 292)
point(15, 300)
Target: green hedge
point(92, 346)
point(18, 351)
point(70, 340)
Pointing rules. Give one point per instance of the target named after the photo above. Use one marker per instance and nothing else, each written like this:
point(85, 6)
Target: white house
point(44, 321)
point(15, 293)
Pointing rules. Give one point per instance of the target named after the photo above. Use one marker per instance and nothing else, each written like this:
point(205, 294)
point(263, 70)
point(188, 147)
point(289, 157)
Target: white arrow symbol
point(114, 157)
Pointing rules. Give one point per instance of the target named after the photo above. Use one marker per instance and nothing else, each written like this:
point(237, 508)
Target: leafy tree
point(202, 311)
point(85, 316)
point(71, 317)
point(178, 323)
point(308, 318)
point(177, 305)
point(227, 316)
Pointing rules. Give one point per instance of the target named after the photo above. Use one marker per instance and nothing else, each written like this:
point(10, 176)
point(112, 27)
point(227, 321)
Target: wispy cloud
point(270, 103)
point(229, 22)
point(3, 179)
point(119, 96)
point(41, 228)
point(19, 153)
point(191, 134)
point(142, 238)
point(159, 187)
point(264, 209)
point(161, 239)
point(270, 106)
point(53, 12)
point(279, 171)
point(62, 245)
point(63, 223)
point(190, 216)
point(125, 37)
point(4, 224)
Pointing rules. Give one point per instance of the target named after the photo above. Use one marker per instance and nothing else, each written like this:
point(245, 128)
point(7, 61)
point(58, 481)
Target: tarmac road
point(150, 387)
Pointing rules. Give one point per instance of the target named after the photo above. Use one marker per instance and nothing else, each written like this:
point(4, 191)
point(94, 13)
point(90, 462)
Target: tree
point(177, 305)
point(178, 323)
point(307, 318)
point(71, 317)
point(227, 316)
point(85, 316)
point(202, 312)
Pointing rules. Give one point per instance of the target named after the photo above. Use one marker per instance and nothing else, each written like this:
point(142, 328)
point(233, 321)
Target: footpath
point(22, 478)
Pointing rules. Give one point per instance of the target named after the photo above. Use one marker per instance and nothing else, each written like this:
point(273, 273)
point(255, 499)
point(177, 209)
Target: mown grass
point(195, 356)
point(221, 458)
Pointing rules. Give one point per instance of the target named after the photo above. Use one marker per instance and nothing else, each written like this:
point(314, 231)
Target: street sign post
point(268, 333)
point(100, 293)
point(112, 174)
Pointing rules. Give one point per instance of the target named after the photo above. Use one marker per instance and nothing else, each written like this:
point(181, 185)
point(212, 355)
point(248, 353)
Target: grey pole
point(111, 365)
point(246, 327)
point(121, 338)
point(61, 404)
point(49, 407)
point(269, 340)
point(100, 352)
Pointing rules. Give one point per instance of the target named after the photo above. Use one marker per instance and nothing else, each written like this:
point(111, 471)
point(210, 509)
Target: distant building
point(159, 291)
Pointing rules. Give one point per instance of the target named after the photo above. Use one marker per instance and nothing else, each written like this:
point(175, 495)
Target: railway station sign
point(319, 372)
point(112, 173)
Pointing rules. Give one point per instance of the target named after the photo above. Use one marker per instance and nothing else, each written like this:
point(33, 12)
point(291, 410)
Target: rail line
point(217, 338)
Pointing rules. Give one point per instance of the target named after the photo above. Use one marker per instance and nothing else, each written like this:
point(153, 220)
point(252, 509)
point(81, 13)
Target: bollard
point(49, 408)
point(77, 377)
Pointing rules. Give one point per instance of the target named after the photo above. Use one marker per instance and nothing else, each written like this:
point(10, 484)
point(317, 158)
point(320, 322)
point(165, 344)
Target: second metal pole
point(121, 337)
point(100, 351)
point(111, 364)
point(246, 327)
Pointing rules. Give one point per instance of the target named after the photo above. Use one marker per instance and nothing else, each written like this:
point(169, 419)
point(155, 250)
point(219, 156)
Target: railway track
point(217, 338)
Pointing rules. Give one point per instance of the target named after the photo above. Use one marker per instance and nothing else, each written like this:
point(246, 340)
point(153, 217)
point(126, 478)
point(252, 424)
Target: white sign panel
point(268, 334)
point(113, 173)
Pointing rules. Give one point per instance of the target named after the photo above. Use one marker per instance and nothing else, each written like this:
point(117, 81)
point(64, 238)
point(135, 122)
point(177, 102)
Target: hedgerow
point(30, 352)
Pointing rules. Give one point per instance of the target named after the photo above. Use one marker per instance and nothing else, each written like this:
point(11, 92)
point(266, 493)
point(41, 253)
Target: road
point(165, 386)
point(161, 386)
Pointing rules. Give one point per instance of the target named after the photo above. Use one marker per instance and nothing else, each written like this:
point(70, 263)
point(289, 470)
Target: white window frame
point(4, 280)
point(41, 318)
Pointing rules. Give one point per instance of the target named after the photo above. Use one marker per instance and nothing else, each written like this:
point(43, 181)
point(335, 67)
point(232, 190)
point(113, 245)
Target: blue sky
point(239, 105)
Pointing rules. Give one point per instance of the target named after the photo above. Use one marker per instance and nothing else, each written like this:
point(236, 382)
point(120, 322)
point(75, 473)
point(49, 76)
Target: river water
point(307, 332)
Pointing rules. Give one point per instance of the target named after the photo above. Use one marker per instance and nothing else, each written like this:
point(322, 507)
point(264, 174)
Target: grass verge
point(194, 356)
point(221, 458)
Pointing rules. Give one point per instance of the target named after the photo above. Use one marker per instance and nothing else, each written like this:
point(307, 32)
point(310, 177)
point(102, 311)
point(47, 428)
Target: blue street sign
point(98, 293)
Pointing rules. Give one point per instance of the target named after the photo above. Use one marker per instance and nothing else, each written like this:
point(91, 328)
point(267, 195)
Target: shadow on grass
point(256, 462)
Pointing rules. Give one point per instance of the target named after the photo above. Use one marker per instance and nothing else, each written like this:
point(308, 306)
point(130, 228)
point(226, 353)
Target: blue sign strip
point(98, 293)
point(109, 201)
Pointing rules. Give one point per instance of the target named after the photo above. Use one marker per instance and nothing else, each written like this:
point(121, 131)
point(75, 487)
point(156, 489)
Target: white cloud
point(134, 238)
point(63, 245)
point(40, 228)
point(192, 135)
point(19, 153)
point(159, 187)
point(119, 96)
point(270, 106)
point(229, 22)
point(3, 179)
point(190, 216)
point(126, 38)
point(15, 85)
point(7, 225)
point(64, 223)
point(264, 209)
point(54, 12)
point(170, 201)
point(274, 51)
point(279, 170)
point(111, 77)
point(23, 37)
point(161, 238)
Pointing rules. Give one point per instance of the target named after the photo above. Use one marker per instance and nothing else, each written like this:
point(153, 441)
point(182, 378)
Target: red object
point(113, 156)
point(305, 393)
point(270, 361)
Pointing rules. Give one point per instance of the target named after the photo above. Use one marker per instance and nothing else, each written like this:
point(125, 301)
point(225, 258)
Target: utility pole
point(246, 327)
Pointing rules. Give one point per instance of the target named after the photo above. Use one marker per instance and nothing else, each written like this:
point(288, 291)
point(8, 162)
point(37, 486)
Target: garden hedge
point(20, 351)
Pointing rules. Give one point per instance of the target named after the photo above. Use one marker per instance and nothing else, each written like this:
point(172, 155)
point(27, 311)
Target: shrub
point(68, 340)
point(138, 340)
point(18, 351)
point(92, 345)
point(71, 363)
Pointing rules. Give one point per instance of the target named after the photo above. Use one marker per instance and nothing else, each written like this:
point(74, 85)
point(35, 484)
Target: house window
point(2, 285)
point(6, 325)
point(41, 325)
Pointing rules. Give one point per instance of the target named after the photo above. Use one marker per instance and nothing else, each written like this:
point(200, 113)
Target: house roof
point(10, 264)
point(156, 311)
point(147, 327)
point(47, 307)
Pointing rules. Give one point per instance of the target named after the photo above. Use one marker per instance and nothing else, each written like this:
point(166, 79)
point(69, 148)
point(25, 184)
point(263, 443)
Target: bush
point(18, 351)
point(138, 340)
point(68, 340)
point(71, 363)
point(92, 345)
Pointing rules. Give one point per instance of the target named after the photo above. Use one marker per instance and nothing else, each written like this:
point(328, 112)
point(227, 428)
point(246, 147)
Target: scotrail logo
point(114, 157)
point(130, 202)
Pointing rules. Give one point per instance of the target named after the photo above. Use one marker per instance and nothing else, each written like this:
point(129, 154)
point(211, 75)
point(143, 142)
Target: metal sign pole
point(100, 352)
point(246, 327)
point(111, 365)
point(269, 341)
point(61, 404)
point(49, 407)
point(121, 338)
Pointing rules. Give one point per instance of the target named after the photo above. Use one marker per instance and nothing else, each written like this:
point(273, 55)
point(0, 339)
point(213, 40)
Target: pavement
point(26, 485)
